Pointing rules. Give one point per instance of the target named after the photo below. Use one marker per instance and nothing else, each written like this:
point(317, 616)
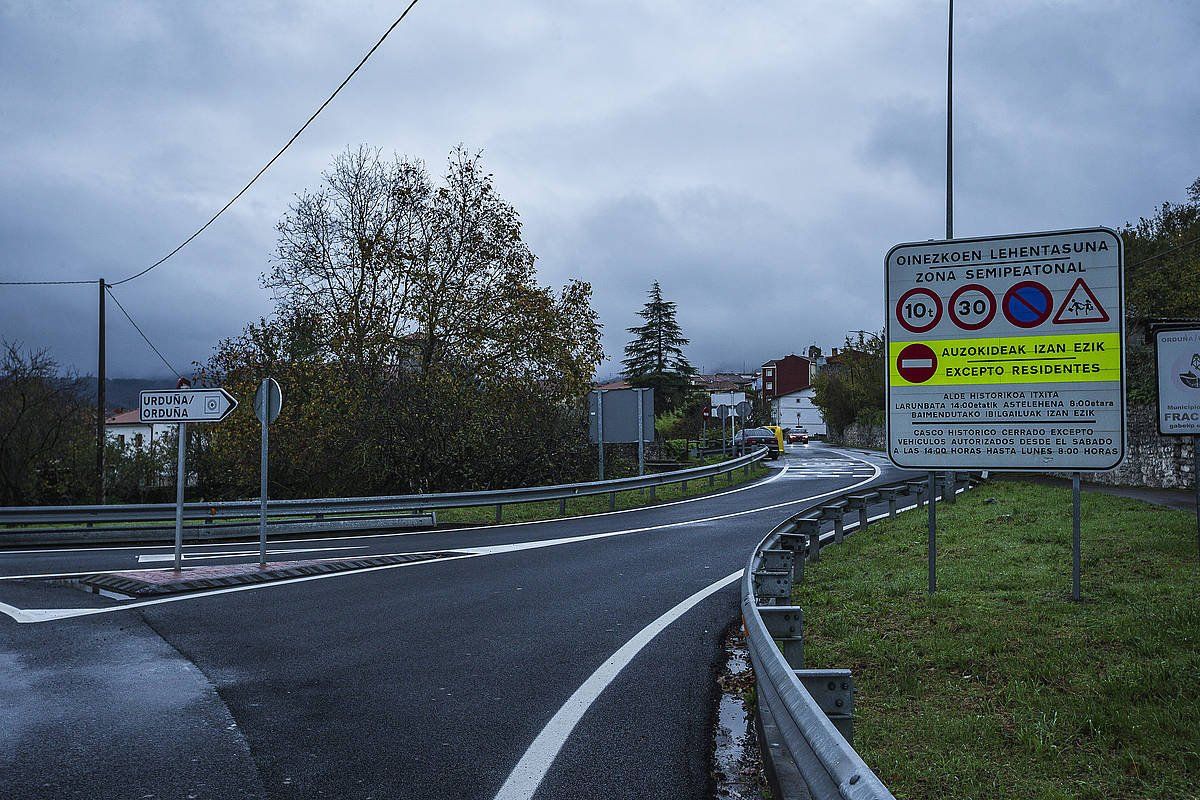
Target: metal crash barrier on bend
point(805, 716)
point(380, 508)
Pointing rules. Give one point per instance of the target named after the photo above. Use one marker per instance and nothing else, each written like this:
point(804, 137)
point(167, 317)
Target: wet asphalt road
point(427, 681)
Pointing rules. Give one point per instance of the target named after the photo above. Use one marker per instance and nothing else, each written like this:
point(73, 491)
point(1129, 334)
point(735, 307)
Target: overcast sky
point(756, 157)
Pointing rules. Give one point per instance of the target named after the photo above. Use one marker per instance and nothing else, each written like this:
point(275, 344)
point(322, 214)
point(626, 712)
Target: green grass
point(999, 686)
point(595, 504)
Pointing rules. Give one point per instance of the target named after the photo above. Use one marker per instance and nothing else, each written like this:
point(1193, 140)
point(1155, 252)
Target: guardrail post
point(612, 501)
point(712, 481)
point(811, 527)
point(499, 511)
point(653, 494)
point(862, 502)
point(833, 689)
point(835, 512)
point(684, 491)
point(785, 624)
point(949, 487)
point(798, 544)
point(562, 506)
point(919, 488)
point(773, 586)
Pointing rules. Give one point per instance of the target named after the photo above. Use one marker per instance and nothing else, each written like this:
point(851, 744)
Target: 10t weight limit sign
point(1006, 352)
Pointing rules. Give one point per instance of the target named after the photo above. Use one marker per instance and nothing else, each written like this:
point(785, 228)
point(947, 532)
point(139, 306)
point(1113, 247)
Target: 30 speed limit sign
point(972, 306)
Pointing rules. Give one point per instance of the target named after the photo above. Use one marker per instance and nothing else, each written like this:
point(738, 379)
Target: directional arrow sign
point(186, 405)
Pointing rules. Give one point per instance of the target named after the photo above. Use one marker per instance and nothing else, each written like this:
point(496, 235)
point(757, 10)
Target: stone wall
point(1162, 462)
point(867, 437)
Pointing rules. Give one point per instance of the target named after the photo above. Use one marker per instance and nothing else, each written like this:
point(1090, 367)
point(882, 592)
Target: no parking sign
point(1007, 352)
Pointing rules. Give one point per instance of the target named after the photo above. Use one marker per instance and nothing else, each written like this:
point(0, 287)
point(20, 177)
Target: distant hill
point(122, 394)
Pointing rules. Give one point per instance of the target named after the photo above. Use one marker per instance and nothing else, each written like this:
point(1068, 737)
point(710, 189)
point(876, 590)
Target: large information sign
point(1005, 353)
point(1178, 358)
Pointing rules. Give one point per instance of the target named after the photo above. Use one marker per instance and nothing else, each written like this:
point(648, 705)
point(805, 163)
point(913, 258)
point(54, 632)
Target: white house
point(796, 410)
point(127, 430)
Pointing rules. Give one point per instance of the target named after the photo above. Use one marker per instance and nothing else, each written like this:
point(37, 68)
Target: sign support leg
point(641, 435)
point(931, 503)
point(600, 429)
point(1075, 543)
point(1196, 480)
point(262, 492)
point(180, 478)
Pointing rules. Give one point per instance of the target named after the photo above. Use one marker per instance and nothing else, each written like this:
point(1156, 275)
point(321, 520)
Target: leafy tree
point(416, 349)
point(849, 388)
point(1162, 282)
point(654, 357)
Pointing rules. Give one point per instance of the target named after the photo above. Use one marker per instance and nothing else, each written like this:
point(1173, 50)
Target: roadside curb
point(134, 586)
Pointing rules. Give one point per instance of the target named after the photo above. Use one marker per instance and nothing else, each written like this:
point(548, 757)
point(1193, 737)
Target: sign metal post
point(180, 477)
point(641, 434)
point(1075, 538)
point(181, 406)
point(268, 401)
point(931, 548)
point(600, 429)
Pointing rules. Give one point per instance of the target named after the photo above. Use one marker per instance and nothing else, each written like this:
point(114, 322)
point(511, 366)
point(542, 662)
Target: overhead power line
point(267, 166)
point(43, 283)
point(1167, 252)
point(141, 333)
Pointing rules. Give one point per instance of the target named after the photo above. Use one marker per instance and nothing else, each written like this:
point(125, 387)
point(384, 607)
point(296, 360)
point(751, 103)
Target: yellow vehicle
point(778, 431)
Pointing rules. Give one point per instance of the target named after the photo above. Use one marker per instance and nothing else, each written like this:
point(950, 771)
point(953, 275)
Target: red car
point(797, 436)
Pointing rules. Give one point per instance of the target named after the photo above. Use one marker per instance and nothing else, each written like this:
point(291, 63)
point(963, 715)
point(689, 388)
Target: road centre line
point(48, 615)
point(529, 772)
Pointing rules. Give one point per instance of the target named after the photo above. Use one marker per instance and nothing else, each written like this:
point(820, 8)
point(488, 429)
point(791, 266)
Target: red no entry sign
point(916, 363)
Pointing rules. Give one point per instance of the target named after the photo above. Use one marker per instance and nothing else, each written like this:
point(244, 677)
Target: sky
point(758, 158)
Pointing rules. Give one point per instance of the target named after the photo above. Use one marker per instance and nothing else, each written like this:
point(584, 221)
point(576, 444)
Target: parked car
point(750, 439)
point(797, 436)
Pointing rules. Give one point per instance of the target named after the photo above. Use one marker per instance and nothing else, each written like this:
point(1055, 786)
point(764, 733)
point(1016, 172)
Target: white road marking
point(157, 558)
point(50, 614)
point(529, 772)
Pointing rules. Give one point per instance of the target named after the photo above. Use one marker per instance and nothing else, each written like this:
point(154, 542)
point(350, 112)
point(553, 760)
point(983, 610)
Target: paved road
point(563, 659)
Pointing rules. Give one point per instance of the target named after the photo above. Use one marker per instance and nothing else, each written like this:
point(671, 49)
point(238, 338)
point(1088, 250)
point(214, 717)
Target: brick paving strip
point(153, 583)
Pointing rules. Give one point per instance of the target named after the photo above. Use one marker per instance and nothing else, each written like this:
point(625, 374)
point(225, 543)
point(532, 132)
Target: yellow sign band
point(1069, 358)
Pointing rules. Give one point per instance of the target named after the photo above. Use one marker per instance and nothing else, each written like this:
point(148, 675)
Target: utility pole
point(931, 502)
point(950, 125)
point(100, 381)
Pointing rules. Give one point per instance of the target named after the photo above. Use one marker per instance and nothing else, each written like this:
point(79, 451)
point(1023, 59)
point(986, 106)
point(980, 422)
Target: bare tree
point(45, 429)
point(404, 271)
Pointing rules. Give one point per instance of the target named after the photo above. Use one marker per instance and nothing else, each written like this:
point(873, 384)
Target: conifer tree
point(654, 357)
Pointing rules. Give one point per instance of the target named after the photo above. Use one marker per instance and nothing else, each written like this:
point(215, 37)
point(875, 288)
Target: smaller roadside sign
point(268, 401)
point(186, 405)
point(1177, 354)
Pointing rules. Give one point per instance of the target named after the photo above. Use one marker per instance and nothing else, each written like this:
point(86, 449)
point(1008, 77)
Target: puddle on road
point(737, 767)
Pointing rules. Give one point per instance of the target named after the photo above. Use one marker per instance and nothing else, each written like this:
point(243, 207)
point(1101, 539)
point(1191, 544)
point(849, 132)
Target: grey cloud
point(758, 163)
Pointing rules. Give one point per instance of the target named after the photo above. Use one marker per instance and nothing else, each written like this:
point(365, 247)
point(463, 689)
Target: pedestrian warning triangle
point(1080, 305)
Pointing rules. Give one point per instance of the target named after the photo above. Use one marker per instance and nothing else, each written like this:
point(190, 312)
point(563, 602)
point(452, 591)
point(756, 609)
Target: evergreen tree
point(654, 357)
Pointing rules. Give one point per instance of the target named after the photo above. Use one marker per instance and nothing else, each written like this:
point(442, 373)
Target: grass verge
point(999, 686)
point(595, 504)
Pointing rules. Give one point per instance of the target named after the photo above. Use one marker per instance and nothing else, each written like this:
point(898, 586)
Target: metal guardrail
point(321, 508)
point(804, 720)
